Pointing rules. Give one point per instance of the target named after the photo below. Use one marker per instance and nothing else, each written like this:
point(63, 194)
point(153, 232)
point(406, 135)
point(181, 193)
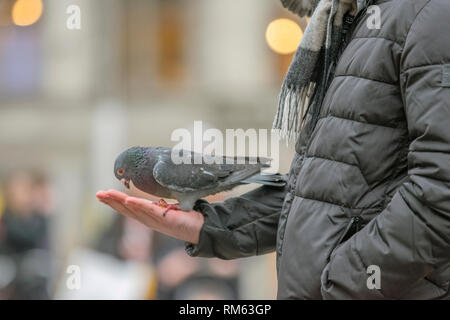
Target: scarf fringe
point(292, 106)
point(311, 65)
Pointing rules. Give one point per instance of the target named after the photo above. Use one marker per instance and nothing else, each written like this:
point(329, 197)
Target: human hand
point(183, 225)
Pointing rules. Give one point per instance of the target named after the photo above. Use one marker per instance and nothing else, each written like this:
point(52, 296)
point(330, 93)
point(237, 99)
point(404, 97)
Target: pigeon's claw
point(169, 206)
point(162, 203)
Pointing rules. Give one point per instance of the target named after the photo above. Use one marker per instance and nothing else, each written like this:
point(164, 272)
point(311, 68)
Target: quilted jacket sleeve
point(411, 238)
point(241, 226)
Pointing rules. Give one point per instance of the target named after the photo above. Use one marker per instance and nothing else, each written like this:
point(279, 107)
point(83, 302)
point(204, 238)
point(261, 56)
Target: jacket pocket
point(355, 224)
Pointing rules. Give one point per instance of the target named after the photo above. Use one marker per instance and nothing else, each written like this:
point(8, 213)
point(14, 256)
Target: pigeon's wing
point(186, 177)
point(194, 177)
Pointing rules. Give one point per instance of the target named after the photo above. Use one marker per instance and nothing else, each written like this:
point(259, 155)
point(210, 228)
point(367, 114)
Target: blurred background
point(80, 81)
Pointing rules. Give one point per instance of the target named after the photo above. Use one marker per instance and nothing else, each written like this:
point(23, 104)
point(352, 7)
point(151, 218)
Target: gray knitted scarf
point(304, 84)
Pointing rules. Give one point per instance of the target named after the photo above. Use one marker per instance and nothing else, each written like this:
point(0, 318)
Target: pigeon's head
point(127, 164)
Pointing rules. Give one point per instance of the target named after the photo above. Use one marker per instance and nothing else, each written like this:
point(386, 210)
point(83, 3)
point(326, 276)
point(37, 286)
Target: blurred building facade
point(71, 100)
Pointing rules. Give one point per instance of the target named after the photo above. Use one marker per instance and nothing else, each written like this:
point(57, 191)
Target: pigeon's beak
point(125, 183)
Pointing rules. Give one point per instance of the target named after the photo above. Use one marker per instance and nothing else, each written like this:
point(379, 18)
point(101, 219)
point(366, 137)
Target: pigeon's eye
point(120, 172)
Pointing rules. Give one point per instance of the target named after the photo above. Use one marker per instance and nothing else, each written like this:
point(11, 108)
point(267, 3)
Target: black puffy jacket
point(371, 184)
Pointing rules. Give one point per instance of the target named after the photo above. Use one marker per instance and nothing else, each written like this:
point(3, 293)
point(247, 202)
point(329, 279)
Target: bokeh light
point(26, 12)
point(283, 36)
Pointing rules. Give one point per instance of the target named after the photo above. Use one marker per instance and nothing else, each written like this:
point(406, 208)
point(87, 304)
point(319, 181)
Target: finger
point(119, 207)
point(118, 199)
point(101, 195)
point(117, 195)
point(147, 209)
point(115, 201)
point(144, 205)
point(113, 204)
point(140, 201)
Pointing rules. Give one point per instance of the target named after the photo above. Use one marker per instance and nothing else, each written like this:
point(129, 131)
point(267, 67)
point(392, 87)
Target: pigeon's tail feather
point(265, 162)
point(274, 180)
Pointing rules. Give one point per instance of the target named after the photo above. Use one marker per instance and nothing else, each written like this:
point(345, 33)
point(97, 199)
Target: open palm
point(183, 225)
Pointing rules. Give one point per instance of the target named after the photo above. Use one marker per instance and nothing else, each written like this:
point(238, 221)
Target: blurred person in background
point(183, 277)
point(24, 236)
point(178, 275)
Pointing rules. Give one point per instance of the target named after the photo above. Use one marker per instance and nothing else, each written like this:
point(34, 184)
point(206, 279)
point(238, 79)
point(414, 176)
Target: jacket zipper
point(346, 27)
point(349, 25)
point(352, 227)
point(355, 224)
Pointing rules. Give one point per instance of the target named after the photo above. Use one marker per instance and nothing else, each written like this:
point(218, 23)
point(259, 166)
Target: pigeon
point(152, 170)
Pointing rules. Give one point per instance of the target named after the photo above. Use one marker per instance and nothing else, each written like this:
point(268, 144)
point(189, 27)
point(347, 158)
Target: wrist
point(196, 227)
point(187, 226)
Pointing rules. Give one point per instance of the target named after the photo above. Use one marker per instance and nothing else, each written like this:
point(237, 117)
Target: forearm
point(241, 226)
